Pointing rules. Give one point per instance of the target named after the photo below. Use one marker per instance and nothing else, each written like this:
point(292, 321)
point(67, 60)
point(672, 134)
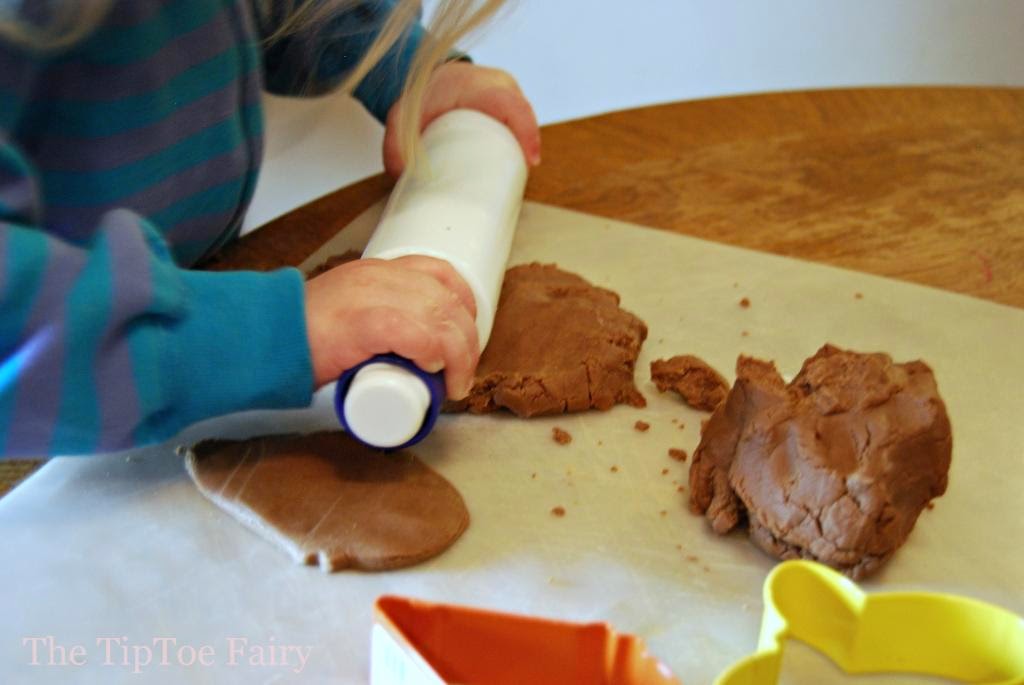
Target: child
point(129, 147)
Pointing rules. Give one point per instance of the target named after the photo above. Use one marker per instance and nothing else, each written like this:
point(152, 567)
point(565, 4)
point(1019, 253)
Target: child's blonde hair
point(70, 21)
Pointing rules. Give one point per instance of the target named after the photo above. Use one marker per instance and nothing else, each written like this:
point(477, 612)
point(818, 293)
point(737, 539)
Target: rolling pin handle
point(388, 403)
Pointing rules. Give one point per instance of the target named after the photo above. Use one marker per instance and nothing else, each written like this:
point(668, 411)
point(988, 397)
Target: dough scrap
point(695, 380)
point(561, 436)
point(559, 344)
point(836, 466)
point(326, 499)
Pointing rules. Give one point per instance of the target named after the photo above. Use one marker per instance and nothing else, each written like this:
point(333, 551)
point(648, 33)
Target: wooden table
point(919, 184)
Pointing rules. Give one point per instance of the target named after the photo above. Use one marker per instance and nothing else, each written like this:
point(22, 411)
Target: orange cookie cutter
point(421, 643)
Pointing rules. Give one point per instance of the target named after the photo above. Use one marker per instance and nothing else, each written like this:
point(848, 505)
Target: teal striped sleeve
point(109, 344)
point(316, 60)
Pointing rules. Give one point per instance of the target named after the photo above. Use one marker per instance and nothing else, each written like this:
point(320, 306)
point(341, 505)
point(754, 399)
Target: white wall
point(575, 58)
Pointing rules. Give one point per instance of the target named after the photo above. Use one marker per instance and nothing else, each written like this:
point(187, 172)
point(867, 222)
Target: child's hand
point(456, 85)
point(416, 307)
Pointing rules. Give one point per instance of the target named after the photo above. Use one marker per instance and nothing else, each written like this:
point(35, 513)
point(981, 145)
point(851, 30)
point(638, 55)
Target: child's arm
point(109, 344)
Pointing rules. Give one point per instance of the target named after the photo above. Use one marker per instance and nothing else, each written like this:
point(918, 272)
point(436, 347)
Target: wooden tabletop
point(919, 184)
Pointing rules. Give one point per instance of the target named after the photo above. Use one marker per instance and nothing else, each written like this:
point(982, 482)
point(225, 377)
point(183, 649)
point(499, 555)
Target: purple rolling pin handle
point(433, 381)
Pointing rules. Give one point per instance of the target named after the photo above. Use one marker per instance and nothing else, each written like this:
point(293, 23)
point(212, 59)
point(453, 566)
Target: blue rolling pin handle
point(433, 381)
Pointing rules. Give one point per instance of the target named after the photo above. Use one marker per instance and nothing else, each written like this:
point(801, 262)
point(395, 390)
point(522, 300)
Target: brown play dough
point(697, 383)
point(325, 499)
point(562, 437)
point(559, 344)
point(836, 466)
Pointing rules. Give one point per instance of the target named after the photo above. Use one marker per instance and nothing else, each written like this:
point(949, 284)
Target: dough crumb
point(692, 557)
point(677, 454)
point(642, 426)
point(558, 511)
point(745, 302)
point(858, 296)
point(695, 380)
point(533, 476)
point(745, 333)
point(560, 436)
point(680, 489)
point(614, 469)
point(663, 512)
point(664, 472)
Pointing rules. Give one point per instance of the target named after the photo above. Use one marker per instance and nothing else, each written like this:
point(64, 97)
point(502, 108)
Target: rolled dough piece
point(697, 383)
point(327, 500)
point(559, 344)
point(836, 466)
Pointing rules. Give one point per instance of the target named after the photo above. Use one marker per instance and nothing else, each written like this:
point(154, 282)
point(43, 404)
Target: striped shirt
point(125, 159)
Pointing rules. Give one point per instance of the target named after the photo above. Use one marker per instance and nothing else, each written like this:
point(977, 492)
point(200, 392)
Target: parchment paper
point(124, 546)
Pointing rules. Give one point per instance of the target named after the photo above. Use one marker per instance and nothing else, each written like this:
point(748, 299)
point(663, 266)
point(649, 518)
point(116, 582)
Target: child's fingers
point(394, 164)
point(432, 337)
point(430, 342)
point(405, 306)
point(461, 85)
point(460, 358)
point(510, 107)
point(444, 273)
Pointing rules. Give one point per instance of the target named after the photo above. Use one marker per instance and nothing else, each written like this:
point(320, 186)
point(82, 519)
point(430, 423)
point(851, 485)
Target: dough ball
point(835, 466)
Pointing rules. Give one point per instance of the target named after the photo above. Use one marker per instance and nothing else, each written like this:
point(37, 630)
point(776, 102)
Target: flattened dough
point(836, 466)
point(327, 500)
point(559, 344)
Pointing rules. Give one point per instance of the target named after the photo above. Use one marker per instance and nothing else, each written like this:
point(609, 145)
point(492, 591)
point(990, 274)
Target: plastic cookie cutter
point(420, 643)
point(899, 632)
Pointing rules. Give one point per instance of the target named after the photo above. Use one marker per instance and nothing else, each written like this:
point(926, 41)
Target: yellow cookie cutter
point(898, 632)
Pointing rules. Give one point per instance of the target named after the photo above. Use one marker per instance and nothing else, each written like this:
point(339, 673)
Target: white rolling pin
point(462, 206)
